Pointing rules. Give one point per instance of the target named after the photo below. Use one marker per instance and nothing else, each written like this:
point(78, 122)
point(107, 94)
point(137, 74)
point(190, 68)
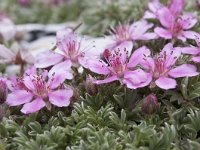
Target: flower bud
point(150, 104)
point(3, 91)
point(1, 113)
point(24, 3)
point(90, 87)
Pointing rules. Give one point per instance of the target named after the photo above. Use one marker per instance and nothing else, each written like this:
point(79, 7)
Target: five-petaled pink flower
point(175, 7)
point(124, 35)
point(117, 66)
point(37, 91)
point(175, 26)
point(195, 51)
point(19, 57)
point(70, 48)
point(162, 68)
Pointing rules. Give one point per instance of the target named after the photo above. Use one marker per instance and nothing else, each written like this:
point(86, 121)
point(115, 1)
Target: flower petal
point(137, 56)
point(189, 34)
point(138, 28)
point(166, 17)
point(135, 80)
point(19, 97)
point(6, 55)
point(106, 80)
point(33, 106)
point(98, 66)
point(166, 83)
point(46, 59)
point(61, 98)
point(196, 59)
point(187, 21)
point(176, 6)
point(190, 50)
point(163, 33)
point(185, 70)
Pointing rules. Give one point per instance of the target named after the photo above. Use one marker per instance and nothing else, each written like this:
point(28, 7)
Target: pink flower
point(70, 49)
point(195, 51)
point(39, 90)
point(175, 26)
point(7, 28)
point(124, 35)
point(117, 66)
point(175, 7)
point(8, 56)
point(163, 69)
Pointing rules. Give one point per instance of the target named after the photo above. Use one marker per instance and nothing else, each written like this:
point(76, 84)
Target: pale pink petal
point(46, 59)
point(171, 54)
point(33, 106)
point(190, 50)
point(59, 73)
point(132, 82)
point(137, 56)
point(146, 36)
point(107, 80)
point(185, 70)
point(61, 98)
point(189, 34)
point(6, 54)
point(181, 37)
point(166, 83)
point(139, 28)
point(196, 59)
point(148, 63)
point(155, 5)
point(136, 77)
point(176, 6)
point(149, 15)
point(19, 97)
point(98, 66)
point(165, 16)
point(163, 33)
point(128, 45)
point(7, 29)
point(187, 21)
point(27, 56)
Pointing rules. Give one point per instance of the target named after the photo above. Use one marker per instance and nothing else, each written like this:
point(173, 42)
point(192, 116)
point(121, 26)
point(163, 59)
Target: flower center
point(176, 27)
point(117, 62)
point(41, 88)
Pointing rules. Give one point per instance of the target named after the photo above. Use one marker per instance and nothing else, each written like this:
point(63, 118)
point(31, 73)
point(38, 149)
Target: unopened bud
point(150, 104)
point(24, 3)
point(3, 91)
point(198, 3)
point(1, 113)
point(90, 86)
point(106, 54)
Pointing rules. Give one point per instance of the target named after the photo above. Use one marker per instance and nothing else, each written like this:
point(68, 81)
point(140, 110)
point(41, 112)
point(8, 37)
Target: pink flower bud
point(1, 113)
point(150, 104)
point(24, 3)
point(90, 87)
point(3, 91)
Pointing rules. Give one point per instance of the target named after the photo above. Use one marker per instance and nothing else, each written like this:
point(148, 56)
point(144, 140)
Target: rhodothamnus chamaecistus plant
point(118, 66)
point(70, 48)
point(194, 51)
point(175, 7)
point(175, 25)
point(124, 35)
point(162, 67)
point(37, 90)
